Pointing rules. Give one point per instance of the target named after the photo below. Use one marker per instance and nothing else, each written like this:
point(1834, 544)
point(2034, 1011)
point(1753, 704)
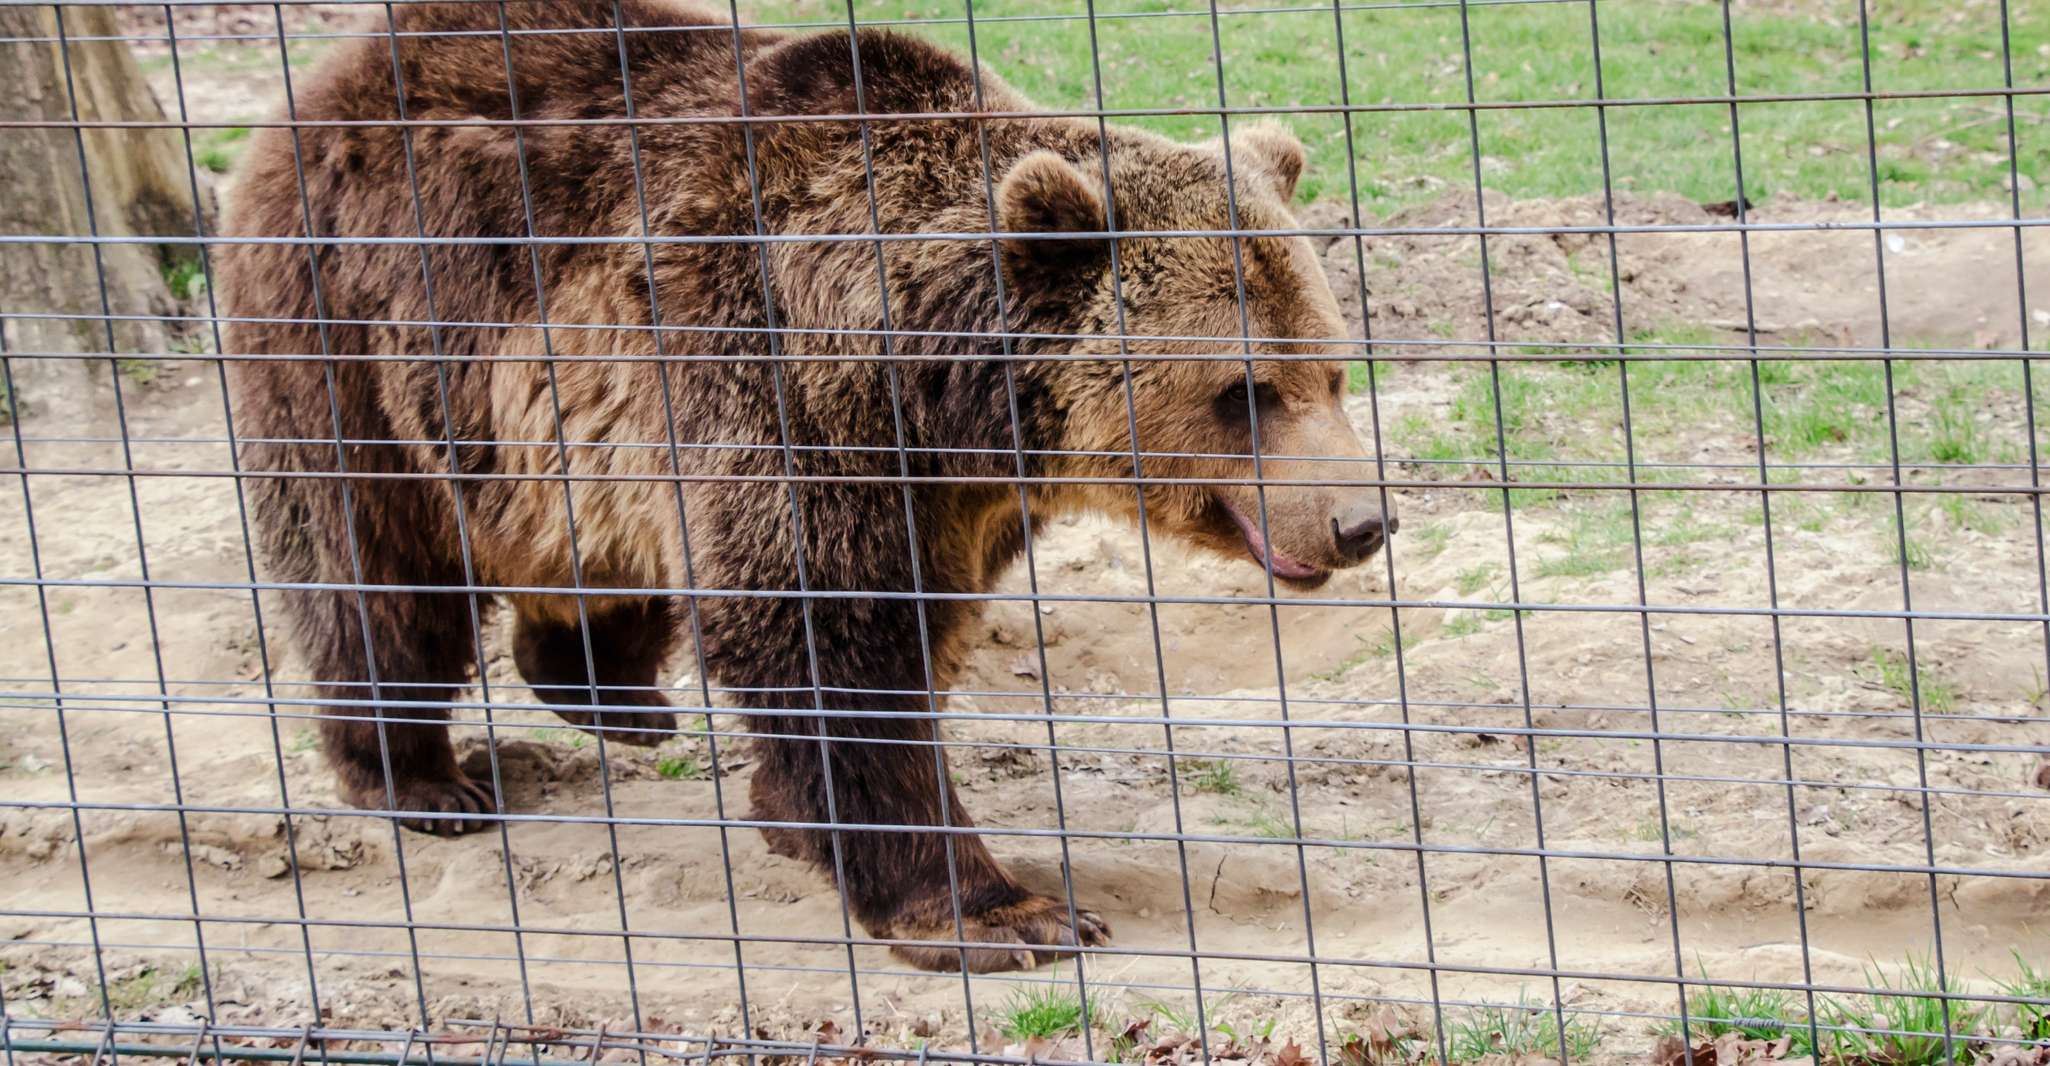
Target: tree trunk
point(140, 187)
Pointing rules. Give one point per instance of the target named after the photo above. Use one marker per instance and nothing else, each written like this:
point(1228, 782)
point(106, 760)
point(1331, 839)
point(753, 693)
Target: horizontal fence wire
point(1380, 544)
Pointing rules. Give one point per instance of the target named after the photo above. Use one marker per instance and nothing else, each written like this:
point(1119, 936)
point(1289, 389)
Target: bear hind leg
point(385, 730)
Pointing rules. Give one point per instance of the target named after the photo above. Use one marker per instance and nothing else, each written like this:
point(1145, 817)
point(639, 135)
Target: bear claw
point(1038, 925)
point(455, 795)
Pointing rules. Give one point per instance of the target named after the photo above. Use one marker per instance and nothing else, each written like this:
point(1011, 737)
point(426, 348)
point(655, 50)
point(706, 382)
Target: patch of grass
point(1823, 405)
point(680, 768)
point(1266, 823)
point(1040, 1012)
point(1890, 669)
point(1918, 555)
point(1575, 564)
point(1215, 776)
point(141, 372)
point(151, 987)
point(1477, 405)
point(1474, 578)
point(1902, 1030)
point(218, 149)
point(1648, 830)
point(1420, 439)
point(303, 741)
point(1357, 377)
point(1964, 514)
point(1381, 647)
point(1954, 431)
point(1515, 1032)
point(1260, 1030)
point(2032, 1018)
point(1430, 538)
point(1594, 543)
point(1753, 1013)
point(1933, 149)
point(185, 277)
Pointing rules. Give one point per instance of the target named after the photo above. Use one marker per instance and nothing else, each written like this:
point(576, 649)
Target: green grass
point(2032, 1018)
point(142, 372)
point(1358, 378)
point(1890, 669)
point(680, 768)
point(1259, 1030)
point(1914, 550)
point(1515, 1032)
point(150, 987)
point(217, 149)
point(1595, 540)
point(1427, 538)
point(1380, 647)
point(1753, 1013)
point(1474, 578)
point(1965, 514)
point(1267, 823)
point(185, 278)
point(1954, 431)
point(1936, 149)
point(1465, 625)
point(1877, 1029)
point(1177, 1019)
point(1215, 776)
point(1901, 1030)
point(1040, 1012)
point(1568, 421)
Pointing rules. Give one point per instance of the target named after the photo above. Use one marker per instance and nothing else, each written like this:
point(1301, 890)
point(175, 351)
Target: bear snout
point(1360, 531)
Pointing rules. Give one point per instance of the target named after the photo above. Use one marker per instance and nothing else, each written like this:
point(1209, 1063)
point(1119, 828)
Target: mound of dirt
point(1944, 287)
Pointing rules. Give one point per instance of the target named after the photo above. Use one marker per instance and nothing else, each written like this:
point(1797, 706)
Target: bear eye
point(1233, 409)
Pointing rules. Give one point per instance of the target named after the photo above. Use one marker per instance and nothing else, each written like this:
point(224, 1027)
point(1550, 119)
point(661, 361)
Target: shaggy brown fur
point(471, 398)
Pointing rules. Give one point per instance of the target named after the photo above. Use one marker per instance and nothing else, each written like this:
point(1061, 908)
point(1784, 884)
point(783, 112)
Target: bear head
point(1208, 329)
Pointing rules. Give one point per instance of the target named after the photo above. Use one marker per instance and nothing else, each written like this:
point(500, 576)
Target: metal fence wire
point(1410, 531)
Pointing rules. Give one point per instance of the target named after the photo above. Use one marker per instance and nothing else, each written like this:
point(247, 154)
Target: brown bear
point(826, 443)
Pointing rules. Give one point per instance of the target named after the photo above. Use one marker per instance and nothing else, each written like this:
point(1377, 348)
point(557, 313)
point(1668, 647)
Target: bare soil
point(1606, 904)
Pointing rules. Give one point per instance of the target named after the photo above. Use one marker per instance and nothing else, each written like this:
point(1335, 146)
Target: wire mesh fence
point(610, 530)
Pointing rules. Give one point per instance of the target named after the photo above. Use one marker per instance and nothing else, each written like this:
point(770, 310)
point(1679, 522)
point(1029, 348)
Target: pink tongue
point(1283, 565)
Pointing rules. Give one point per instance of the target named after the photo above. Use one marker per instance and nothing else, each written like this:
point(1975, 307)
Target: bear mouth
point(1290, 571)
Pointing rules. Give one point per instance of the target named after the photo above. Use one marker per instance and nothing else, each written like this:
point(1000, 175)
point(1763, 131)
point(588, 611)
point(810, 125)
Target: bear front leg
point(898, 883)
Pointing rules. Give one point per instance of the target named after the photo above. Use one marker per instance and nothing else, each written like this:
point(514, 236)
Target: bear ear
point(1269, 150)
point(1044, 193)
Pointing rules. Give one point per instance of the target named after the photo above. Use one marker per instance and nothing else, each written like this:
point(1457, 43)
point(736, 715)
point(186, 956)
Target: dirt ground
point(1603, 906)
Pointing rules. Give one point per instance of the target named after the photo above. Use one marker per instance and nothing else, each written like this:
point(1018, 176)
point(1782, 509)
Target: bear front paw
point(448, 799)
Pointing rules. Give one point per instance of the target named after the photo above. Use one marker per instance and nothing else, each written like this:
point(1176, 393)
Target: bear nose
point(1360, 531)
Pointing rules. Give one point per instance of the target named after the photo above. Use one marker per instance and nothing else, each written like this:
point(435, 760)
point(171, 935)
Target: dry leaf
point(1729, 1049)
point(1291, 1054)
point(2017, 1055)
